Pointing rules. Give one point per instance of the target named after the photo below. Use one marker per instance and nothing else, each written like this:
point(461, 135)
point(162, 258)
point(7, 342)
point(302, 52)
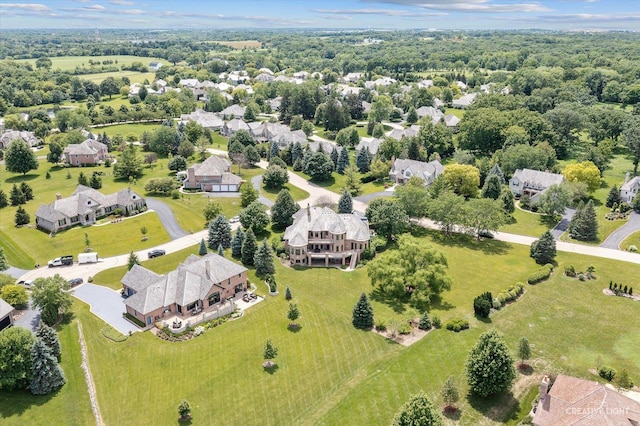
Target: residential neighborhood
point(458, 209)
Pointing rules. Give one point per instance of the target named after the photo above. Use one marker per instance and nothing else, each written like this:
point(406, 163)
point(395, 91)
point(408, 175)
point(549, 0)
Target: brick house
point(89, 152)
point(212, 175)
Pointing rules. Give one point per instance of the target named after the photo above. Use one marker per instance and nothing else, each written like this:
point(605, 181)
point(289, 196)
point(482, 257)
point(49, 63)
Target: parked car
point(60, 261)
point(75, 281)
point(26, 284)
point(486, 234)
point(155, 253)
point(234, 219)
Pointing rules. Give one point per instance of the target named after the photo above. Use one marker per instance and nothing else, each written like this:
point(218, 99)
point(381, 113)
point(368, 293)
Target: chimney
point(626, 177)
point(308, 210)
point(58, 196)
point(544, 389)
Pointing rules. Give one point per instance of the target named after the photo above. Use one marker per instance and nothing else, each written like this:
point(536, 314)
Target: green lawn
point(69, 63)
point(126, 129)
point(297, 193)
point(133, 76)
point(337, 183)
point(526, 223)
point(329, 373)
point(633, 239)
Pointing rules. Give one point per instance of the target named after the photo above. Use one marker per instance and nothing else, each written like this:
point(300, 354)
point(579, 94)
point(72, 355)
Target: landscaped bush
point(510, 294)
point(425, 322)
point(457, 324)
point(482, 305)
point(404, 328)
point(381, 326)
point(633, 248)
point(570, 271)
point(437, 323)
point(607, 373)
point(135, 320)
point(540, 275)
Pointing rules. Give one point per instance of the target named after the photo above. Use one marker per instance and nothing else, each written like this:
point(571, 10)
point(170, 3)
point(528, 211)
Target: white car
point(234, 219)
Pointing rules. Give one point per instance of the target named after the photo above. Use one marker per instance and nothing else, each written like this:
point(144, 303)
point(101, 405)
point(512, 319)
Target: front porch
point(327, 258)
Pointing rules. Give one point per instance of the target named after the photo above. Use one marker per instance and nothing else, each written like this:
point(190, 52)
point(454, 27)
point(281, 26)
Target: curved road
point(614, 239)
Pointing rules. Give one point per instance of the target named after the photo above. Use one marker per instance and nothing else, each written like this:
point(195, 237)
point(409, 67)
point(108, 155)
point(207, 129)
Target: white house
point(629, 189)
point(155, 66)
point(533, 182)
point(404, 169)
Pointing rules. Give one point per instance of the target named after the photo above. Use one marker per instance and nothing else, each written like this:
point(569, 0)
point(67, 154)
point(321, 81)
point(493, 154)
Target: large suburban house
point(403, 170)
point(533, 182)
point(9, 136)
point(629, 189)
point(464, 101)
point(89, 152)
point(208, 120)
point(320, 237)
point(212, 175)
point(198, 284)
point(85, 206)
point(6, 315)
point(577, 402)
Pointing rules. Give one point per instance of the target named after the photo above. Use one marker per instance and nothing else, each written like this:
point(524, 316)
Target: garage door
point(6, 322)
point(224, 188)
point(215, 188)
point(233, 188)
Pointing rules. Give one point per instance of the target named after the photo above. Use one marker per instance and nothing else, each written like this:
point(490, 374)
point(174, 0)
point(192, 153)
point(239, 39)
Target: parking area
point(106, 304)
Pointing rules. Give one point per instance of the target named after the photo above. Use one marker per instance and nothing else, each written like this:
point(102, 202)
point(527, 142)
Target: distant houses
point(85, 206)
point(9, 136)
point(403, 169)
point(155, 66)
point(533, 182)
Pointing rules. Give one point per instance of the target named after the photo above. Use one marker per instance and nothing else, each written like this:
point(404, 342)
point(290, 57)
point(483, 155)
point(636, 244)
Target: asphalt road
point(614, 239)
point(166, 216)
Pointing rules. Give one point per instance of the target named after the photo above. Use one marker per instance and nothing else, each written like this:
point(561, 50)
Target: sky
point(345, 14)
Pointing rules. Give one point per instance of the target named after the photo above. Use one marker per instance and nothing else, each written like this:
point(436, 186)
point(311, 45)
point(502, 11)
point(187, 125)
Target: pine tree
point(203, 248)
point(287, 294)
point(96, 181)
point(50, 338)
point(343, 160)
point(345, 203)
point(492, 188)
point(270, 351)
point(450, 395)
point(544, 249)
point(283, 209)
point(249, 248)
point(334, 156)
point(296, 152)
point(4, 265)
point(263, 260)
point(4, 202)
point(273, 150)
point(22, 217)
point(47, 376)
point(133, 260)
point(508, 201)
point(220, 250)
point(363, 160)
point(412, 116)
point(293, 315)
point(613, 197)
point(524, 350)
point(236, 244)
point(489, 366)
point(17, 196)
point(495, 170)
point(363, 313)
point(584, 223)
point(219, 233)
point(576, 219)
point(26, 190)
point(82, 179)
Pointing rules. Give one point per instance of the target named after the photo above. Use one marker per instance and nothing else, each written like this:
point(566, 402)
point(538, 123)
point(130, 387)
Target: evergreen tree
point(26, 190)
point(412, 116)
point(293, 314)
point(4, 265)
point(584, 223)
point(17, 196)
point(270, 351)
point(287, 294)
point(203, 248)
point(220, 250)
point(418, 411)
point(496, 171)
point(524, 350)
point(492, 187)
point(283, 209)
point(82, 179)
point(345, 203)
point(50, 338)
point(425, 322)
point(249, 248)
point(334, 156)
point(22, 217)
point(508, 201)
point(296, 152)
point(96, 181)
point(343, 160)
point(544, 249)
point(46, 374)
point(133, 260)
point(4, 202)
point(489, 367)
point(273, 150)
point(614, 197)
point(363, 160)
point(363, 313)
point(219, 233)
point(450, 394)
point(263, 260)
point(236, 244)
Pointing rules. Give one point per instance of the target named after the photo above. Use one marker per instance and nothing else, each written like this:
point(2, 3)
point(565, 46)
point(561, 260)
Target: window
point(191, 306)
point(297, 252)
point(214, 298)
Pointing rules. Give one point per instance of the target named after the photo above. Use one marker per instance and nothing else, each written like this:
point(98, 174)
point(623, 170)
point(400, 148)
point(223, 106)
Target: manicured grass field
point(633, 239)
point(297, 193)
point(526, 223)
point(337, 183)
point(329, 373)
point(69, 63)
point(126, 129)
point(133, 76)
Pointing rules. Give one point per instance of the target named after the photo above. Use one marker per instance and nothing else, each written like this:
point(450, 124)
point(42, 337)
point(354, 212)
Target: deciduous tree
point(463, 179)
point(275, 177)
point(48, 295)
point(15, 358)
point(413, 197)
point(15, 295)
point(446, 210)
point(319, 167)
point(585, 172)
point(450, 394)
point(254, 216)
point(417, 411)
point(483, 215)
point(283, 209)
point(524, 350)
point(387, 217)
point(489, 367)
point(19, 158)
point(248, 194)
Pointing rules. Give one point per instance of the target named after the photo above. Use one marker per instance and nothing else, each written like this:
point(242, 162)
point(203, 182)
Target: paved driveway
point(107, 304)
point(29, 319)
point(616, 237)
point(256, 181)
point(165, 214)
point(563, 225)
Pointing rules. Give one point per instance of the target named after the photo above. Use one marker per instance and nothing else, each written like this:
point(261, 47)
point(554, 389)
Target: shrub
point(198, 330)
point(570, 271)
point(175, 194)
point(381, 325)
point(607, 373)
point(425, 322)
point(482, 305)
point(540, 275)
point(404, 328)
point(496, 304)
point(437, 323)
point(633, 248)
point(135, 320)
point(457, 324)
point(581, 277)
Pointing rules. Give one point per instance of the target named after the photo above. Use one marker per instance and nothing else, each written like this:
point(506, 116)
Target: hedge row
point(457, 324)
point(541, 274)
point(508, 295)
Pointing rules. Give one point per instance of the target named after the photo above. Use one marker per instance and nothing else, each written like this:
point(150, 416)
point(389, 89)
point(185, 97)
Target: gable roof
point(578, 402)
point(29, 137)
point(537, 179)
point(87, 147)
point(323, 219)
point(426, 171)
point(5, 308)
point(212, 166)
point(190, 282)
point(373, 145)
point(630, 184)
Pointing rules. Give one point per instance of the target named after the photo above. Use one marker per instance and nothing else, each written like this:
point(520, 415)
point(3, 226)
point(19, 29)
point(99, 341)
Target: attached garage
point(6, 314)
point(215, 188)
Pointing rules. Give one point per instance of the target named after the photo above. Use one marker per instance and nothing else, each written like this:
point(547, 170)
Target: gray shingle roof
point(537, 179)
point(212, 166)
point(373, 145)
point(319, 219)
point(29, 137)
point(88, 147)
point(427, 171)
point(5, 308)
point(190, 282)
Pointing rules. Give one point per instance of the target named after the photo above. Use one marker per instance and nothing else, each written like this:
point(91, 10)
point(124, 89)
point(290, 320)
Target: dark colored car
point(155, 253)
point(75, 281)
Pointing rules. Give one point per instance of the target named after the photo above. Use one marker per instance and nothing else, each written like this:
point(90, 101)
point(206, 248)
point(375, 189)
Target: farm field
point(569, 324)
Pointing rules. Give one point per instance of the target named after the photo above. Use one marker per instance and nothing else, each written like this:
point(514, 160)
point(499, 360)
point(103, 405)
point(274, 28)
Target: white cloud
point(33, 7)
point(121, 2)
point(387, 12)
point(470, 6)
